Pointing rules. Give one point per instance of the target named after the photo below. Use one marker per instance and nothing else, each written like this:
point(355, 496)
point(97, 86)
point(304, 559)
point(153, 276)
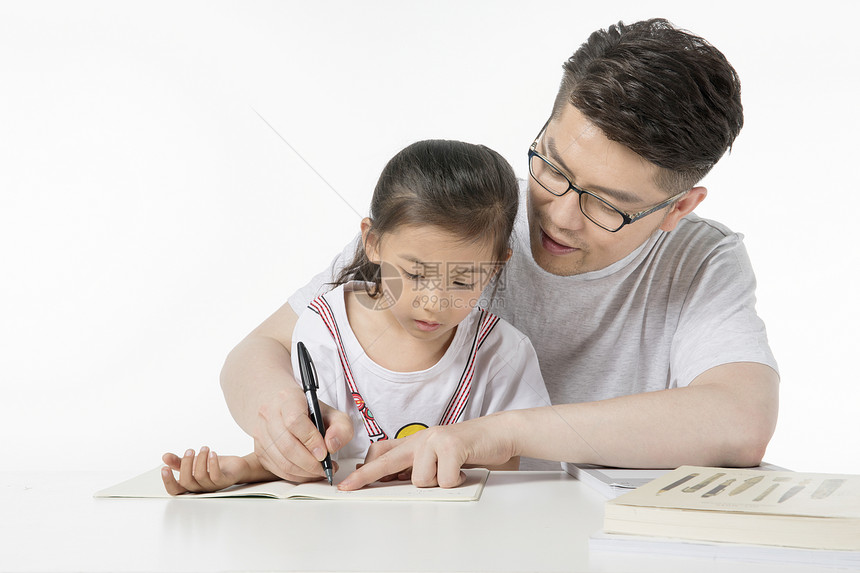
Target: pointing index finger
point(392, 462)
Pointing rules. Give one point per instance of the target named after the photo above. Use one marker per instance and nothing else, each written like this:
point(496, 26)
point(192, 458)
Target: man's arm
point(259, 367)
point(265, 400)
point(725, 417)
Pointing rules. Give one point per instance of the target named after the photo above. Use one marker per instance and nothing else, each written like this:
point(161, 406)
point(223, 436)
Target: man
point(642, 314)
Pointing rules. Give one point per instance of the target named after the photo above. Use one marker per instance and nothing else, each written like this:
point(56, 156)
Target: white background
point(149, 218)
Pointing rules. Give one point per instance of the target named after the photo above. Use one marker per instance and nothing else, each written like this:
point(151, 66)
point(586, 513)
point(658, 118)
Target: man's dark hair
point(666, 94)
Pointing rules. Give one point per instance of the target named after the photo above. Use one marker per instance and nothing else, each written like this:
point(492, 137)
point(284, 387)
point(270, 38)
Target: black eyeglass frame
point(627, 218)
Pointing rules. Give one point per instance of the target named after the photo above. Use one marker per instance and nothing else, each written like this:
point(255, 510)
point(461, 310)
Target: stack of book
point(739, 513)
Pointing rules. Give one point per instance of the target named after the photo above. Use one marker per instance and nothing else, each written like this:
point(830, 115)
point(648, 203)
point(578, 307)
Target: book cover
point(612, 482)
point(792, 509)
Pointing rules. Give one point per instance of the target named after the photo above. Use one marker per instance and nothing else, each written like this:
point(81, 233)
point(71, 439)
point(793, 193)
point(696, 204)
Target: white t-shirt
point(680, 304)
point(489, 366)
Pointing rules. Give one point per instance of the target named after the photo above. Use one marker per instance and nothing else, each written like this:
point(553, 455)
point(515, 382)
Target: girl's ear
point(370, 241)
point(500, 265)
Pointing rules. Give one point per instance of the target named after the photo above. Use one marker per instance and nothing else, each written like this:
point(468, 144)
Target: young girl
point(400, 344)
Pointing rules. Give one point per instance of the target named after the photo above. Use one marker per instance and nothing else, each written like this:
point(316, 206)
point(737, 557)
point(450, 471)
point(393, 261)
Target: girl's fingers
point(170, 484)
point(215, 473)
point(186, 472)
point(171, 460)
point(201, 469)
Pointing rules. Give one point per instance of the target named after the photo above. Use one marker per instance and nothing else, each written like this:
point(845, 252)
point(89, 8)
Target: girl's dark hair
point(666, 94)
point(467, 190)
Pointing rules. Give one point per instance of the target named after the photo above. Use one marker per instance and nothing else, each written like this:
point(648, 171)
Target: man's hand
point(288, 444)
point(264, 398)
point(436, 454)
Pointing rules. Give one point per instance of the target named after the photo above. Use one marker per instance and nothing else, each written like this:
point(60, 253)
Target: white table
point(525, 521)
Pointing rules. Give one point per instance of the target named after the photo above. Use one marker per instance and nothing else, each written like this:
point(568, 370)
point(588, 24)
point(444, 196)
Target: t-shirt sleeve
point(515, 381)
point(719, 323)
point(320, 283)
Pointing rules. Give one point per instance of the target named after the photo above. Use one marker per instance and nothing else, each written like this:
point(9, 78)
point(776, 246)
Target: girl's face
point(431, 280)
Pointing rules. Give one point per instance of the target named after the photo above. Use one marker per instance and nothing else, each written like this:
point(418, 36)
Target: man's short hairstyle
point(666, 94)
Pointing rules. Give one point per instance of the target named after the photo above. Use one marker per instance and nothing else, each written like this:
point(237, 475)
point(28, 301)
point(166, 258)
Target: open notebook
point(149, 485)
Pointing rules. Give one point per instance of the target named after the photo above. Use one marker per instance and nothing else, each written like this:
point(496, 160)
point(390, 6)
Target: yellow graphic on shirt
point(410, 429)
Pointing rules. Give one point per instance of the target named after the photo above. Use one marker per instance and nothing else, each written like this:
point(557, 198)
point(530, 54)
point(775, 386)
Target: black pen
point(310, 385)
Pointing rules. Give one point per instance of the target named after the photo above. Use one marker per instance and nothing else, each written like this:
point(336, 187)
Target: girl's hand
point(204, 473)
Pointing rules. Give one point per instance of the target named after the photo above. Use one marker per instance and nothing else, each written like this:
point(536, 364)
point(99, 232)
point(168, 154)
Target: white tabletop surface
point(525, 521)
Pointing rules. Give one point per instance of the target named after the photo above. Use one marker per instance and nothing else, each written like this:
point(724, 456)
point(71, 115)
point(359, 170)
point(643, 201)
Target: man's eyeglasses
point(597, 210)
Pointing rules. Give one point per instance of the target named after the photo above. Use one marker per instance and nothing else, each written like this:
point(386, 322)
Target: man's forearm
point(255, 371)
point(724, 418)
point(259, 368)
point(704, 424)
